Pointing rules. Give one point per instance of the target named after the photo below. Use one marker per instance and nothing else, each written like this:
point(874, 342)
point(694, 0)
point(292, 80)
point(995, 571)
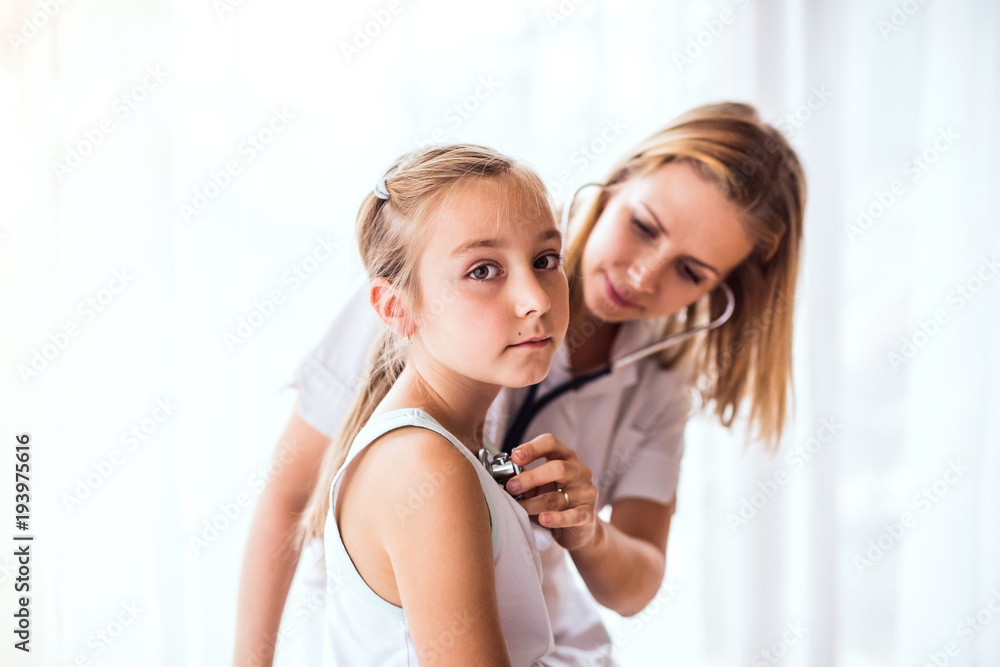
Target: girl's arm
point(271, 557)
point(442, 552)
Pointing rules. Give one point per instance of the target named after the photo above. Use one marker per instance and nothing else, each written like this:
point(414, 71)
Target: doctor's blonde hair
point(750, 356)
point(391, 235)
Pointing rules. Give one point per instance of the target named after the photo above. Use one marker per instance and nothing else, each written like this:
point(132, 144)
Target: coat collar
point(632, 335)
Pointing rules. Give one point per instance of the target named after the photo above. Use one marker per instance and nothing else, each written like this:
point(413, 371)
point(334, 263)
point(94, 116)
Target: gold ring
point(566, 496)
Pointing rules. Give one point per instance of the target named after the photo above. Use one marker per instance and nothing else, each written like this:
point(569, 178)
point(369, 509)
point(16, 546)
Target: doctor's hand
point(560, 492)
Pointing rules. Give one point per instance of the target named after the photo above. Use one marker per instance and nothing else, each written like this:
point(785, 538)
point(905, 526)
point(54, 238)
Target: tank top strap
point(389, 421)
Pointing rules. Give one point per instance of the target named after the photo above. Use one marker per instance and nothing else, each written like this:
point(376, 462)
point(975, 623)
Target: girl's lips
point(533, 344)
point(617, 297)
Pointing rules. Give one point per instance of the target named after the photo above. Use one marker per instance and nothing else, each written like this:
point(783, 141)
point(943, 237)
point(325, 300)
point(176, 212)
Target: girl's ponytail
point(384, 365)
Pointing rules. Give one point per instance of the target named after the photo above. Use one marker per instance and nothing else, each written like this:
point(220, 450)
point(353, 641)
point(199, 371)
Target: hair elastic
point(380, 190)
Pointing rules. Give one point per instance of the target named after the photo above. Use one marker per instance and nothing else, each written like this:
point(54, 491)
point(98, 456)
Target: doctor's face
point(494, 299)
point(663, 241)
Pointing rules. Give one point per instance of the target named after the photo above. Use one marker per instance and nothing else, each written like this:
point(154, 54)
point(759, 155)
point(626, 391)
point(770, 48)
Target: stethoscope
point(532, 405)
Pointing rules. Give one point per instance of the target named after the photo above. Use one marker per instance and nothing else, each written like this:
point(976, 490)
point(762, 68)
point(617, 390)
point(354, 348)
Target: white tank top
point(362, 628)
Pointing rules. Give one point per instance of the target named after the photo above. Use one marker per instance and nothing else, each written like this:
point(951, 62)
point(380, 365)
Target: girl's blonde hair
point(755, 168)
point(391, 235)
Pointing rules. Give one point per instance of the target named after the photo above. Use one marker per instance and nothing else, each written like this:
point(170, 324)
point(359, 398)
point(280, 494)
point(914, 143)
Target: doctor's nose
point(643, 275)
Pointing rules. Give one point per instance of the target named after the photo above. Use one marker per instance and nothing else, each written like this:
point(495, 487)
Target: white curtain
point(179, 182)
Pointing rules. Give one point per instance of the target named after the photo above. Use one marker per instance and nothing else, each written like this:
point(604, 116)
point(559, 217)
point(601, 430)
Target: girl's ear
point(388, 303)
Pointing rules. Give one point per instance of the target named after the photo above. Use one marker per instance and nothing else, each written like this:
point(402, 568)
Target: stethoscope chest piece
point(500, 467)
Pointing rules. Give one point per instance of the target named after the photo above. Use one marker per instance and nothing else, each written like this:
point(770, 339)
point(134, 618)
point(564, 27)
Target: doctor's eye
point(643, 228)
point(689, 275)
point(482, 272)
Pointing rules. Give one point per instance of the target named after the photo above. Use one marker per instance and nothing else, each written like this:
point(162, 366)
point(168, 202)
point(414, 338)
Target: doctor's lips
point(617, 296)
point(533, 343)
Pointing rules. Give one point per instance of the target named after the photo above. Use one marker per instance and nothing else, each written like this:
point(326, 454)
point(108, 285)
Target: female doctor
point(698, 227)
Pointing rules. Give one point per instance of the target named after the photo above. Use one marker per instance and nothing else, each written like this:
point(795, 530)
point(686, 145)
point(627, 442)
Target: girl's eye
point(482, 272)
point(550, 261)
point(645, 229)
point(690, 275)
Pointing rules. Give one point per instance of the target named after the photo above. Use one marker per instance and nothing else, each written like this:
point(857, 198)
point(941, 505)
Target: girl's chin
point(526, 377)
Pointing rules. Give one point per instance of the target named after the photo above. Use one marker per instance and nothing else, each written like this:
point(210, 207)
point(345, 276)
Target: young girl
point(716, 196)
point(427, 557)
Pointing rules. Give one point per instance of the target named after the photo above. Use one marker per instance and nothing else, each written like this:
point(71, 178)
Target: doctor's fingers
point(578, 516)
point(563, 474)
point(582, 501)
point(544, 446)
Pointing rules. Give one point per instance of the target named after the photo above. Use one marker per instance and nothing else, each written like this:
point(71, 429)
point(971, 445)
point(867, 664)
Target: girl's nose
point(530, 297)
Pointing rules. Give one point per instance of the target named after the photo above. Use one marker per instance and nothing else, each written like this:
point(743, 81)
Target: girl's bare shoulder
point(410, 469)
